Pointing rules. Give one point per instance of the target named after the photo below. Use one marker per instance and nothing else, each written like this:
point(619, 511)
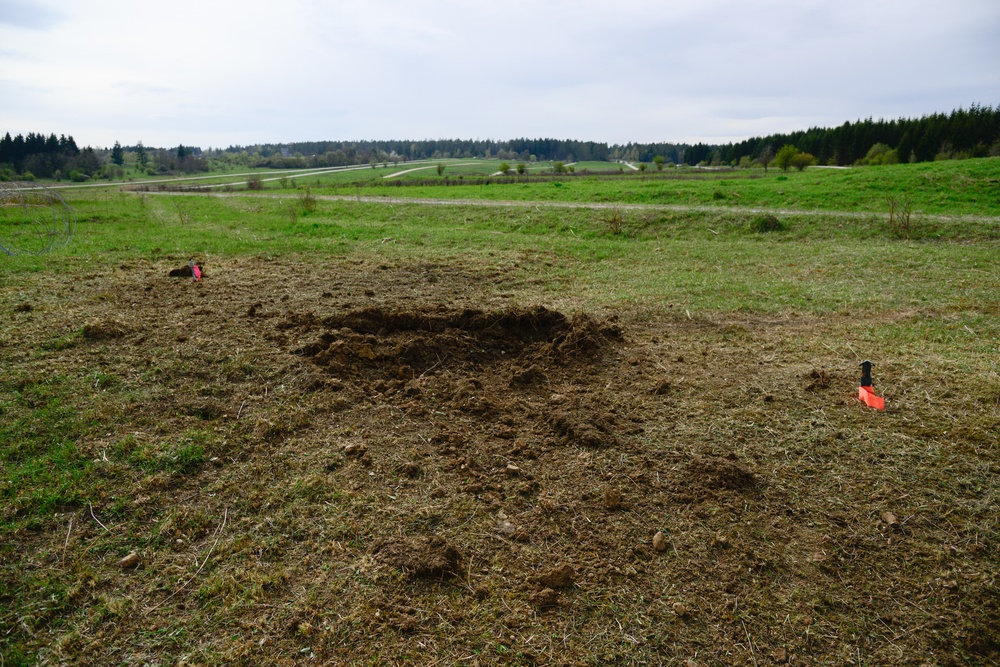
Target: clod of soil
point(818, 379)
point(583, 429)
point(707, 476)
point(108, 329)
point(530, 376)
point(23, 308)
point(545, 598)
point(421, 557)
point(561, 576)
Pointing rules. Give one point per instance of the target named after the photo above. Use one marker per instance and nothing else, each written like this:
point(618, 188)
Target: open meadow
point(456, 418)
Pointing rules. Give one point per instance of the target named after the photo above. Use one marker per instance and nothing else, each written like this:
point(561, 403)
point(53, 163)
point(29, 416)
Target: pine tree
point(117, 154)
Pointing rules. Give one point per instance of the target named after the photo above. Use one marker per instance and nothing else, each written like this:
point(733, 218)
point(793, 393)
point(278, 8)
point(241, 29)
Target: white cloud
point(218, 73)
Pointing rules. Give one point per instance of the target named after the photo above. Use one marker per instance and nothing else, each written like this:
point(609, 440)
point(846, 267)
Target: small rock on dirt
point(680, 609)
point(129, 561)
point(512, 470)
point(507, 528)
point(354, 450)
point(660, 541)
point(890, 519)
point(781, 656)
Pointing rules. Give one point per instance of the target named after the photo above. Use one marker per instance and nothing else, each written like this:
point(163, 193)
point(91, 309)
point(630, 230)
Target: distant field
point(969, 187)
point(571, 420)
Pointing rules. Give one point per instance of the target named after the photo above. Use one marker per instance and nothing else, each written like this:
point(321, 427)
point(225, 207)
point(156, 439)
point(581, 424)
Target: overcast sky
point(215, 73)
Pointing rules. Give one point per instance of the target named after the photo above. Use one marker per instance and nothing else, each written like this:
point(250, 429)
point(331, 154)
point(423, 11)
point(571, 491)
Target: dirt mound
point(106, 329)
point(426, 557)
point(706, 477)
point(470, 363)
point(410, 343)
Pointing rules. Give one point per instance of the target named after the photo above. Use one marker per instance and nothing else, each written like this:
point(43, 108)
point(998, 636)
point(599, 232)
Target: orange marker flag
point(865, 392)
point(868, 397)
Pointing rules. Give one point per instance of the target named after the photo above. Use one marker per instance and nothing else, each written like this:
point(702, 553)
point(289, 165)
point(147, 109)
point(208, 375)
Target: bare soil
point(416, 463)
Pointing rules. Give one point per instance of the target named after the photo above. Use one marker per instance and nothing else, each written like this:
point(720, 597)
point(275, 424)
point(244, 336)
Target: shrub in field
point(521, 167)
point(766, 223)
point(785, 156)
point(440, 168)
point(308, 202)
point(615, 222)
point(802, 160)
point(504, 168)
point(880, 154)
point(719, 194)
point(900, 217)
point(255, 182)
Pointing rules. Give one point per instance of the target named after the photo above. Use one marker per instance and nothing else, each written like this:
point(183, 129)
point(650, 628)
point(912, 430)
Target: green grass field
point(196, 425)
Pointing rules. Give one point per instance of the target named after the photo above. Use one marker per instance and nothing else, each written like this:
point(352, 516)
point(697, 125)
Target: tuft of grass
point(615, 222)
point(766, 223)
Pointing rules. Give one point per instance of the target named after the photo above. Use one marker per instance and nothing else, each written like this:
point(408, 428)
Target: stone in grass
point(660, 541)
point(129, 561)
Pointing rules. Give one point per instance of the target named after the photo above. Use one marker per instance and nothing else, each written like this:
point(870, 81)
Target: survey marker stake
point(865, 392)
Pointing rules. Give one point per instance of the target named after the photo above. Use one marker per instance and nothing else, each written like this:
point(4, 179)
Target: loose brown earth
point(419, 463)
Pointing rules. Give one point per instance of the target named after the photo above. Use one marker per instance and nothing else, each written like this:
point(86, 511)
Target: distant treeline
point(972, 132)
point(342, 153)
point(37, 155)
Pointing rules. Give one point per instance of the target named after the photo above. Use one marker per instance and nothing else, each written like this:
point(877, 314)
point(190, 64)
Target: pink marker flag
point(196, 272)
point(867, 396)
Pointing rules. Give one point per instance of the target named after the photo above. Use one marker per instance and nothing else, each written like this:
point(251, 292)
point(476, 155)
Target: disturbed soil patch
point(375, 463)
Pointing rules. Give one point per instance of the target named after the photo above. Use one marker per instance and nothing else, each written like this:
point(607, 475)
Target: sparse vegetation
point(766, 223)
point(900, 216)
point(615, 222)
